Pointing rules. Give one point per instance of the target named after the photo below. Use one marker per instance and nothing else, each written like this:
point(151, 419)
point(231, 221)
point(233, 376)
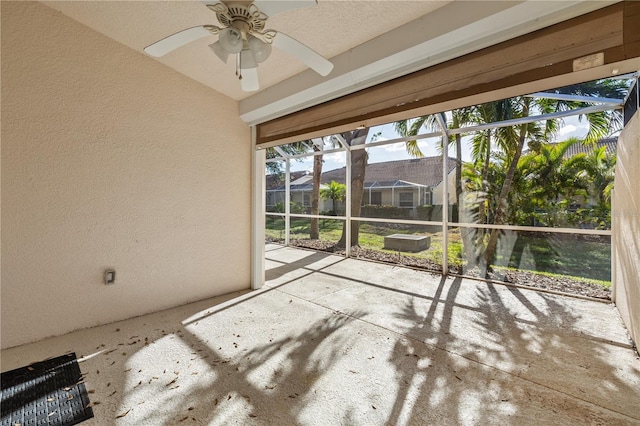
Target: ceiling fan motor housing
point(238, 16)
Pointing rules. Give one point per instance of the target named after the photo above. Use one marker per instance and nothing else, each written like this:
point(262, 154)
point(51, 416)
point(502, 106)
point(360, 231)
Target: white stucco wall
point(111, 160)
point(626, 227)
point(437, 191)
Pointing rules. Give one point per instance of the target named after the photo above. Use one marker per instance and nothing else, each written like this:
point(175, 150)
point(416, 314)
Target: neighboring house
point(403, 183)
point(275, 187)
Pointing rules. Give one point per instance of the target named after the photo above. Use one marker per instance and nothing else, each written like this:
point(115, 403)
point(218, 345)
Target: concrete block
point(405, 242)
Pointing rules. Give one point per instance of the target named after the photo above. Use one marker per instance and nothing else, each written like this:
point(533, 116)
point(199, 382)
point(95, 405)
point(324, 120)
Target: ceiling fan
point(243, 34)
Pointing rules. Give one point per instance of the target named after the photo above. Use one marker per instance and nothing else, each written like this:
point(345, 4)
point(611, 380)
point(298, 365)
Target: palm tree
point(459, 118)
point(600, 168)
point(549, 179)
point(334, 191)
point(359, 159)
point(314, 230)
point(513, 139)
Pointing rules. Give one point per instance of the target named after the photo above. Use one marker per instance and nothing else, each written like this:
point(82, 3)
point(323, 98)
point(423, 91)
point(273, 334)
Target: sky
point(572, 128)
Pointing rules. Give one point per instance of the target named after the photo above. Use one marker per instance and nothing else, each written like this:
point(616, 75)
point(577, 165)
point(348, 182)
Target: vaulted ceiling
point(368, 41)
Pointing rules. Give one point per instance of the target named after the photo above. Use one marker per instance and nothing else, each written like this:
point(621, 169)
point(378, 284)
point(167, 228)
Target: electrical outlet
point(110, 276)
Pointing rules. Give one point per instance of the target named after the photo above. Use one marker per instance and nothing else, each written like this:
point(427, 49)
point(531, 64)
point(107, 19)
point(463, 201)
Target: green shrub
point(387, 212)
point(434, 212)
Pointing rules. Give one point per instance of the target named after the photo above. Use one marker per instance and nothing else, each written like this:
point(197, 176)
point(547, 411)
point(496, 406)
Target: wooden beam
point(612, 31)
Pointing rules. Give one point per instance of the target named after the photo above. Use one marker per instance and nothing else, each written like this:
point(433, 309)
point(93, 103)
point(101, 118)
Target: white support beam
point(531, 119)
point(347, 205)
point(287, 201)
point(257, 214)
point(576, 98)
point(445, 194)
point(281, 151)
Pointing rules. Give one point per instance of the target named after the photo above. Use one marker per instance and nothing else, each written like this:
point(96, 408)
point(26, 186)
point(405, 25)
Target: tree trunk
point(482, 212)
point(358, 169)
point(466, 234)
point(501, 208)
point(314, 232)
point(456, 214)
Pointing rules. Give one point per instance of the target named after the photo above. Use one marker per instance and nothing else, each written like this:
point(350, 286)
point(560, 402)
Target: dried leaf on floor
point(123, 414)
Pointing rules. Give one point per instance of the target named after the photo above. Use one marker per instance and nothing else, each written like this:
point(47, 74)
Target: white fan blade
point(274, 7)
point(249, 81)
point(305, 54)
point(174, 41)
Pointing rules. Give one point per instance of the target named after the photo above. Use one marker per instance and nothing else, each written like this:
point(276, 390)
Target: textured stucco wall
point(110, 159)
point(626, 227)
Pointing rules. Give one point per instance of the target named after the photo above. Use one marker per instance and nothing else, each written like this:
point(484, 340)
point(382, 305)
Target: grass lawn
point(553, 254)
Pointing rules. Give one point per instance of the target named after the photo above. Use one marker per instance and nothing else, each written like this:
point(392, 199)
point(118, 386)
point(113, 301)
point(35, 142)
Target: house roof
point(426, 171)
point(274, 181)
point(609, 143)
point(423, 172)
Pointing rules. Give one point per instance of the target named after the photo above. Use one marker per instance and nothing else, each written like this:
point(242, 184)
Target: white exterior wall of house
point(626, 228)
point(437, 191)
point(111, 160)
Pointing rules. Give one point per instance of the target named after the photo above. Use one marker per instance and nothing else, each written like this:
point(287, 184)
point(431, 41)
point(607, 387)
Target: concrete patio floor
point(332, 341)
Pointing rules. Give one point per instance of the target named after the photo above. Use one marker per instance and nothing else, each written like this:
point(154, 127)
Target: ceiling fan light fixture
point(231, 40)
point(219, 51)
point(247, 61)
point(260, 49)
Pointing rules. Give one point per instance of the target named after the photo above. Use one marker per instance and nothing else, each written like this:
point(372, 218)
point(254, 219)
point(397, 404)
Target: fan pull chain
point(239, 66)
